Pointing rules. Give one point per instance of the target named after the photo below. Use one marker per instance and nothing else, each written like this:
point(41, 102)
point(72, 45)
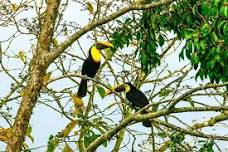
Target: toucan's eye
point(127, 87)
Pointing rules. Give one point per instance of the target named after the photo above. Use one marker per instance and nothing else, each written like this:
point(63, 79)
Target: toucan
point(91, 64)
point(136, 97)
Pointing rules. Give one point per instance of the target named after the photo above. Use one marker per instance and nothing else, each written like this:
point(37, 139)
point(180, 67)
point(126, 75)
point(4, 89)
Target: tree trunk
point(29, 100)
point(39, 65)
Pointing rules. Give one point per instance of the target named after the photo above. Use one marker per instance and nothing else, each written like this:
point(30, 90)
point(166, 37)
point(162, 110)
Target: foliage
point(101, 91)
point(206, 146)
point(203, 24)
point(176, 140)
point(90, 136)
point(52, 143)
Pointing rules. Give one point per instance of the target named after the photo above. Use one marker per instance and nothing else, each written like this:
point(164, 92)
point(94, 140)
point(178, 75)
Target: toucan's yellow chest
point(96, 55)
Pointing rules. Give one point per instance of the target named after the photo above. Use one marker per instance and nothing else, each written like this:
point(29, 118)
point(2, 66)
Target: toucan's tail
point(146, 123)
point(82, 88)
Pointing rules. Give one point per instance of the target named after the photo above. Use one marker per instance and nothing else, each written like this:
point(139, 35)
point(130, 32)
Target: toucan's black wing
point(137, 98)
point(90, 68)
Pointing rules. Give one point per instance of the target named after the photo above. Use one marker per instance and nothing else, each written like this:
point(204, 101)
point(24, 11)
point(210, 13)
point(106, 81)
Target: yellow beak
point(118, 88)
point(108, 92)
point(104, 45)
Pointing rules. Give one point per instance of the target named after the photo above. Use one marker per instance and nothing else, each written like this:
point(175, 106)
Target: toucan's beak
point(103, 45)
point(108, 92)
point(118, 88)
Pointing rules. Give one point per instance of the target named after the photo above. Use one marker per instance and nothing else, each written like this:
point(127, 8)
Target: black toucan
point(91, 65)
point(135, 97)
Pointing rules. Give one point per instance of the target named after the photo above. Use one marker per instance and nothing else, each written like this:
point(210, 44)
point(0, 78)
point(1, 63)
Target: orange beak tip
point(108, 92)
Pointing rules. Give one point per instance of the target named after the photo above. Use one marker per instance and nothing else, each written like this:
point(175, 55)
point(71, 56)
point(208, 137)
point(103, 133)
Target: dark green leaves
point(203, 24)
point(206, 146)
point(207, 40)
point(176, 139)
point(123, 35)
point(91, 136)
point(161, 40)
point(205, 9)
point(165, 92)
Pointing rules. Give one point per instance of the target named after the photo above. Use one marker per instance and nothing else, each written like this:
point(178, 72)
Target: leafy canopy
point(202, 24)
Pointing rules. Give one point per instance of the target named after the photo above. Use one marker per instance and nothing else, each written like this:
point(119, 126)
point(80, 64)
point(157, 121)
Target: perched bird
point(135, 97)
point(91, 65)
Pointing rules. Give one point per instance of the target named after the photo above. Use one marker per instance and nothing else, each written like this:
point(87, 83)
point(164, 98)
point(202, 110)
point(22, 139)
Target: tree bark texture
point(37, 72)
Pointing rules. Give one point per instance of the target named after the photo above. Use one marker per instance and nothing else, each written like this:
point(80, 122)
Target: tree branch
point(197, 134)
point(172, 105)
point(138, 117)
point(135, 6)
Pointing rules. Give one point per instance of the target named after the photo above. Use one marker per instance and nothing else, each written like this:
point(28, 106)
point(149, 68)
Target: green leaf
point(223, 11)
point(162, 134)
point(90, 7)
point(28, 133)
point(205, 9)
point(207, 146)
point(108, 53)
point(161, 40)
point(220, 25)
point(211, 64)
point(225, 28)
point(101, 91)
point(89, 137)
point(194, 9)
point(177, 137)
point(218, 58)
point(165, 92)
point(189, 19)
point(196, 45)
point(205, 29)
point(22, 56)
point(52, 143)
point(181, 55)
point(144, 59)
point(216, 2)
point(203, 44)
point(215, 37)
point(105, 143)
point(154, 21)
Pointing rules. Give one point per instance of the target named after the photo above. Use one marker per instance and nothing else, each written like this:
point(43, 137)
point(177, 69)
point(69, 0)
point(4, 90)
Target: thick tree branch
point(135, 6)
point(193, 133)
point(138, 117)
point(120, 137)
point(172, 105)
point(212, 121)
